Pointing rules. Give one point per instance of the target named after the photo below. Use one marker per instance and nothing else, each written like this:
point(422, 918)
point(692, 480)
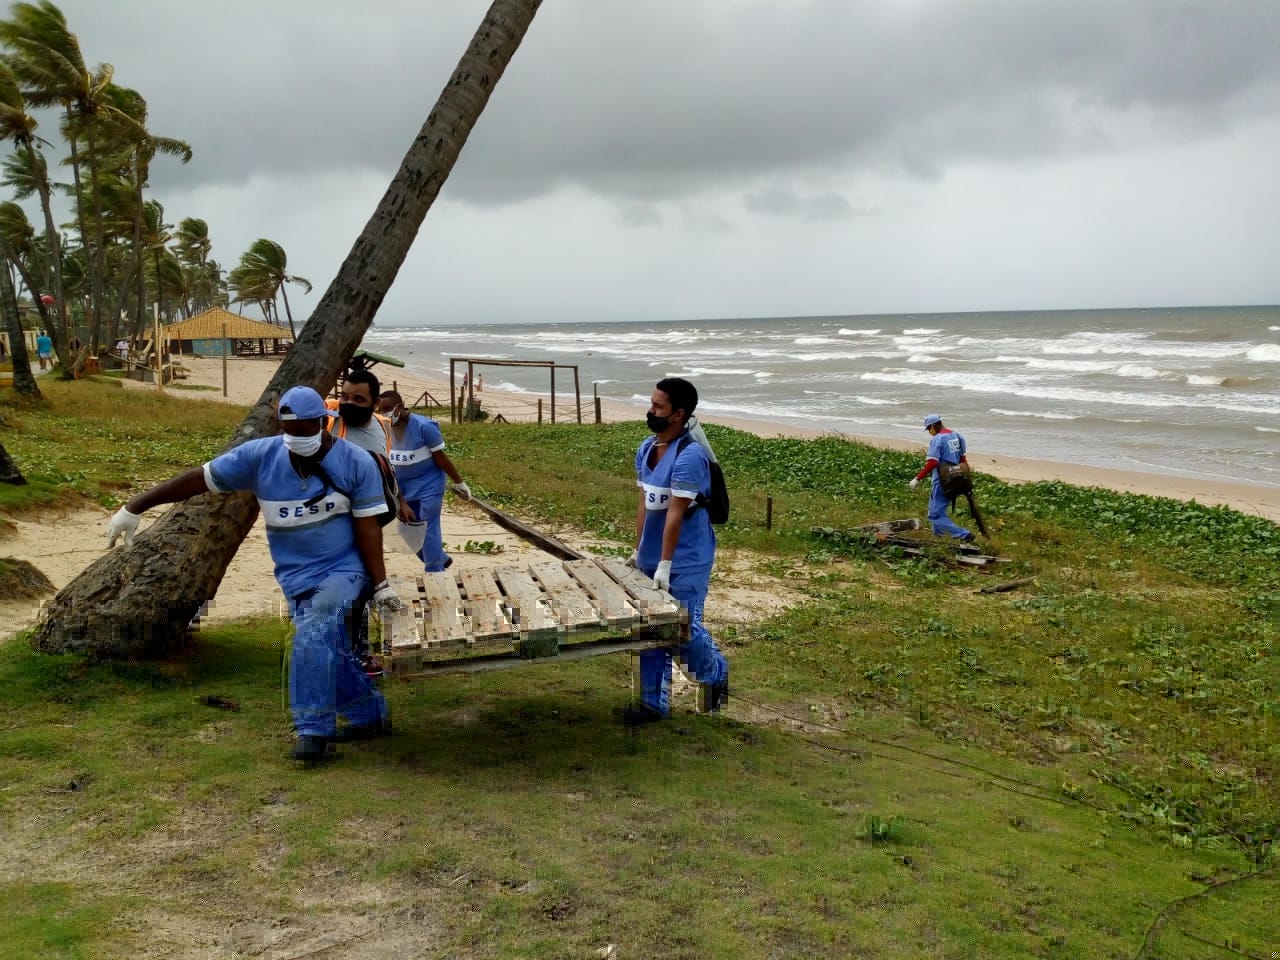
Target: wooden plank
point(409, 668)
point(444, 621)
point(613, 602)
point(572, 605)
point(402, 630)
point(540, 540)
point(483, 601)
point(529, 609)
point(892, 526)
point(655, 606)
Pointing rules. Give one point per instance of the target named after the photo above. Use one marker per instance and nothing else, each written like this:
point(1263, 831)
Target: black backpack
point(390, 487)
point(716, 505)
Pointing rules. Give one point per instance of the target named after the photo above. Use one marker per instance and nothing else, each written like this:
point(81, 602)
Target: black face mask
point(657, 424)
point(354, 415)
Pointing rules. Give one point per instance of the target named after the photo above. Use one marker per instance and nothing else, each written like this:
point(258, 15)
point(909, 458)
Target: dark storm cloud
point(666, 98)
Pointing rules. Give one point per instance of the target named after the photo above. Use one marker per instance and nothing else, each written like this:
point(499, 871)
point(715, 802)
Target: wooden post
point(453, 418)
point(768, 514)
point(539, 409)
point(577, 392)
point(553, 393)
point(226, 345)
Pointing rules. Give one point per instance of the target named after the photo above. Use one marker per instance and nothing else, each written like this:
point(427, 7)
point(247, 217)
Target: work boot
point(714, 696)
point(310, 750)
point(365, 731)
point(639, 714)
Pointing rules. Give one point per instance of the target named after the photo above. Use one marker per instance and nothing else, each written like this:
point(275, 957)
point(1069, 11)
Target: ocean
point(1191, 391)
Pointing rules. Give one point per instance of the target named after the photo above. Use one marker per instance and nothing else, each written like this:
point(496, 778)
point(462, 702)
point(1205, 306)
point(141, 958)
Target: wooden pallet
point(487, 618)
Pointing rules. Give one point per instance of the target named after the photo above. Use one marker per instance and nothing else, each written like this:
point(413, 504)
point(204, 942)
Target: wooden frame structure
point(461, 400)
point(466, 621)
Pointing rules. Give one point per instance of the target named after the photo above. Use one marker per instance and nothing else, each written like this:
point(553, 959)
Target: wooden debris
point(892, 526)
point(1007, 586)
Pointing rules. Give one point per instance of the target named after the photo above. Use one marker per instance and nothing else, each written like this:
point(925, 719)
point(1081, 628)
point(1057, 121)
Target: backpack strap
point(701, 499)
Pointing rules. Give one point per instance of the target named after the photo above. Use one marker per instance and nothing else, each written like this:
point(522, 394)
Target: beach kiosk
point(221, 333)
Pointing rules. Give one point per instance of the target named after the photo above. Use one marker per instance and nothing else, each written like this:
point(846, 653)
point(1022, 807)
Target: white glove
point(915, 482)
point(386, 599)
point(123, 522)
point(634, 559)
point(462, 490)
point(662, 576)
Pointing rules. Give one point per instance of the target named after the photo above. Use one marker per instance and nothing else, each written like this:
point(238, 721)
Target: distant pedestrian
point(44, 350)
point(479, 383)
point(946, 452)
point(122, 350)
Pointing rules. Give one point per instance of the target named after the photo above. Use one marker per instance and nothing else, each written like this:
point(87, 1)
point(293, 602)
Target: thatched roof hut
point(216, 332)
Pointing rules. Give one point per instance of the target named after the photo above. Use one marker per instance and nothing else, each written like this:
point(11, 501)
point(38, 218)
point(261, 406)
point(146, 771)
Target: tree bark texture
point(9, 472)
point(24, 381)
point(139, 600)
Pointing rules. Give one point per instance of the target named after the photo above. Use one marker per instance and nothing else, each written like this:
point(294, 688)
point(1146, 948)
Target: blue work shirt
point(411, 455)
point(308, 542)
point(683, 472)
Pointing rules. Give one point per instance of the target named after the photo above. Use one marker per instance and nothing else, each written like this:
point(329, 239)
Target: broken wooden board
point(482, 601)
point(614, 603)
point(570, 602)
point(892, 526)
point(656, 607)
point(529, 609)
point(444, 619)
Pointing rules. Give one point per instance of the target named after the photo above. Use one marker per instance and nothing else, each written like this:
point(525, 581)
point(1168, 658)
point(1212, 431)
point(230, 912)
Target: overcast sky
point(683, 159)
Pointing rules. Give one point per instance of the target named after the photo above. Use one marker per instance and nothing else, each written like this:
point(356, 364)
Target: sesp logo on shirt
point(656, 498)
point(299, 513)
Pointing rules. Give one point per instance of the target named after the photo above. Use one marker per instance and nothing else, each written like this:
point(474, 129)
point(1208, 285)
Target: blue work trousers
point(942, 525)
point(700, 656)
point(432, 554)
point(325, 679)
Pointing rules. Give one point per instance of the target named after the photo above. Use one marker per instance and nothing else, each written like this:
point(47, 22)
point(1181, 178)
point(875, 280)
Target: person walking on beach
point(421, 465)
point(479, 383)
point(676, 547)
point(44, 350)
point(327, 550)
point(946, 450)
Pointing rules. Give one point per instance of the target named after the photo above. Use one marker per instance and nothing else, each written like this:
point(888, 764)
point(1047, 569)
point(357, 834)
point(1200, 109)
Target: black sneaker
point(639, 714)
point(715, 696)
point(364, 731)
point(310, 750)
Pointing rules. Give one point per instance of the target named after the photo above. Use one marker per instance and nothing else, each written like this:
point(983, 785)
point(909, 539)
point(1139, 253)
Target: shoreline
point(248, 377)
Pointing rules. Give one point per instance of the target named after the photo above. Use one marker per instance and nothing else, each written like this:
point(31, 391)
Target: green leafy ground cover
point(1085, 767)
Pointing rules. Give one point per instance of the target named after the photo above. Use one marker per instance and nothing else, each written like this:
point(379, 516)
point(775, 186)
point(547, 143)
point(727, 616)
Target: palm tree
point(24, 382)
point(141, 598)
point(17, 246)
point(261, 277)
point(129, 111)
point(48, 63)
point(33, 177)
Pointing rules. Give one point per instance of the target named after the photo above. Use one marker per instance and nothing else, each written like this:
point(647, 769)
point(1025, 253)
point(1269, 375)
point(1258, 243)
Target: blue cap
point(929, 421)
point(301, 403)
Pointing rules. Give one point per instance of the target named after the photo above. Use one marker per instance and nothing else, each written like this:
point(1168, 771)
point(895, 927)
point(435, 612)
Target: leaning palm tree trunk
point(140, 599)
point(24, 382)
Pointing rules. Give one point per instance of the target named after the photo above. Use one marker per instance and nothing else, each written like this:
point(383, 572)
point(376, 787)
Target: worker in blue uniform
point(676, 547)
point(327, 549)
point(945, 447)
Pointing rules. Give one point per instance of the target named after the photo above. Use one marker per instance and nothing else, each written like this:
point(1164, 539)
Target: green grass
point(916, 769)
